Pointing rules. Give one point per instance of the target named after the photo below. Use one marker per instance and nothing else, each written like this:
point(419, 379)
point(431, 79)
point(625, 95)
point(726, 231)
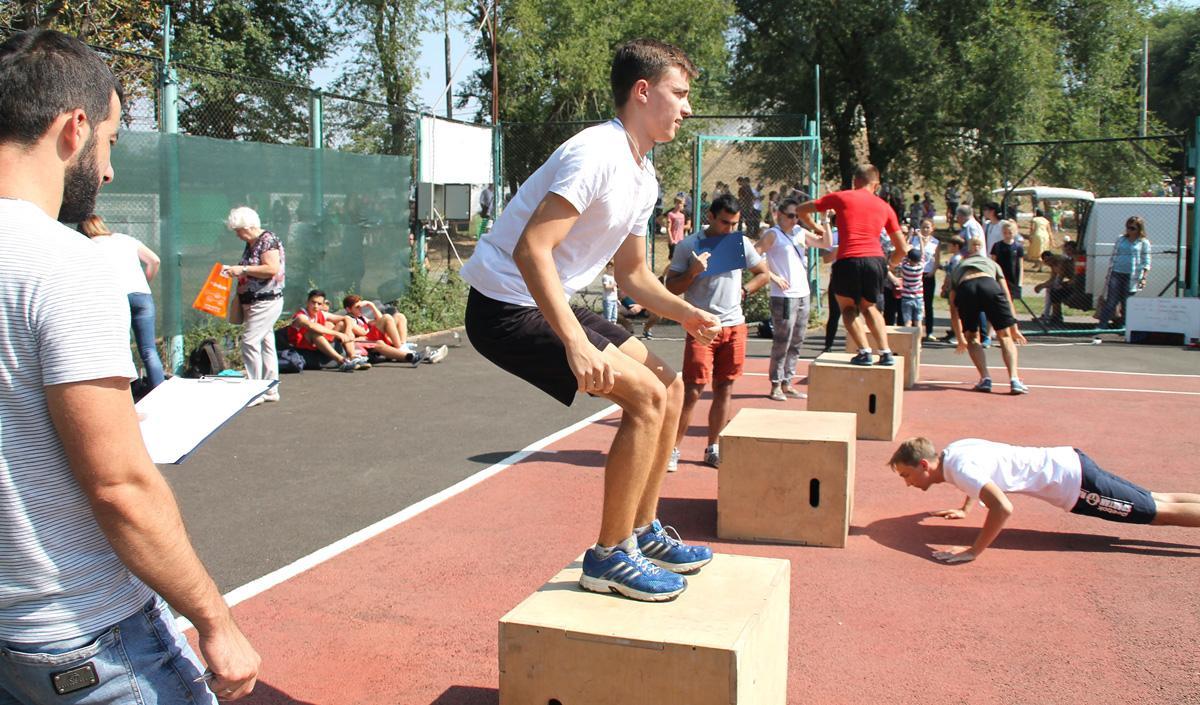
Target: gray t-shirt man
point(719, 294)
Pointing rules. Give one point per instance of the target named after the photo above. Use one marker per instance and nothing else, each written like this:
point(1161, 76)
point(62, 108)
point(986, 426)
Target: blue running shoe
point(886, 359)
point(667, 551)
point(1016, 386)
point(627, 572)
point(863, 359)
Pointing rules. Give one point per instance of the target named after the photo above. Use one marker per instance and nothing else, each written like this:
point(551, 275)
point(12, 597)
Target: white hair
point(242, 217)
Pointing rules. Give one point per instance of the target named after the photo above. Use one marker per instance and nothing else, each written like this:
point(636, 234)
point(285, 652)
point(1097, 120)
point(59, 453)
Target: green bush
point(434, 302)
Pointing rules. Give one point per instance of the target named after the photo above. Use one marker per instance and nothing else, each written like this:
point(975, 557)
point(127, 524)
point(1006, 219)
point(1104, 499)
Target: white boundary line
point(275, 577)
point(1068, 369)
point(951, 383)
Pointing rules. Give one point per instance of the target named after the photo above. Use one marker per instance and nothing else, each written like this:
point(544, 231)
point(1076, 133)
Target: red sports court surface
point(1062, 609)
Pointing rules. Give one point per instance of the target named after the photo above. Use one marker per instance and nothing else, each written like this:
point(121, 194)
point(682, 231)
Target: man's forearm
point(645, 288)
point(757, 282)
point(541, 277)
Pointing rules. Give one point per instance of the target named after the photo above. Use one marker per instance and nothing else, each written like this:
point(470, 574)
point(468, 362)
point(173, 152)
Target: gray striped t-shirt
point(62, 319)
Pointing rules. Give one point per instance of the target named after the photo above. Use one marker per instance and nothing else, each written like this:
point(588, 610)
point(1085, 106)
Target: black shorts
point(1106, 496)
point(858, 278)
point(519, 340)
point(314, 359)
point(982, 295)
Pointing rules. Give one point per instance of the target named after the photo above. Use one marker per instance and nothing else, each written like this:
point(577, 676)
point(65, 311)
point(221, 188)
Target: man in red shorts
point(860, 269)
point(720, 361)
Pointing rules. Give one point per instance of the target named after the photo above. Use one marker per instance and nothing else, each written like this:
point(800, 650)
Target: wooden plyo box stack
point(874, 393)
point(787, 476)
point(723, 641)
point(905, 342)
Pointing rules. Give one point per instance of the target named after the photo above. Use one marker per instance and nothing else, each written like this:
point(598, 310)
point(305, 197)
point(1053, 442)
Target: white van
point(1101, 221)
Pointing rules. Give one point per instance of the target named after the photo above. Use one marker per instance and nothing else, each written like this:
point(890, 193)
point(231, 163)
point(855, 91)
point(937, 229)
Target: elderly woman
point(259, 294)
point(1128, 270)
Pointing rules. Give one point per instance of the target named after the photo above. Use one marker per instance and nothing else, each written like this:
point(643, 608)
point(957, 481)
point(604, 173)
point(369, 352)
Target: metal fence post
point(316, 140)
point(172, 259)
point(1193, 273)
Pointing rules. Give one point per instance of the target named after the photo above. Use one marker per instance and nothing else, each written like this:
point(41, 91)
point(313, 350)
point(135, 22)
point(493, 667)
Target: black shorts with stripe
point(1107, 496)
point(519, 340)
point(983, 295)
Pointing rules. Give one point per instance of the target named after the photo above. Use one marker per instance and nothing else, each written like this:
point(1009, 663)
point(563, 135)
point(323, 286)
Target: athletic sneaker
point(627, 572)
point(362, 363)
point(983, 385)
point(347, 365)
point(776, 393)
point(986, 341)
point(436, 355)
point(863, 358)
point(415, 358)
point(673, 461)
point(272, 395)
point(886, 359)
point(712, 456)
point(648, 335)
point(670, 552)
point(1016, 386)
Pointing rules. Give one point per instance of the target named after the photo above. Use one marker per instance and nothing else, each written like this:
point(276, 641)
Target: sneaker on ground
point(436, 355)
point(712, 456)
point(627, 572)
point(776, 393)
point(347, 365)
point(1016, 386)
point(863, 358)
point(929, 339)
point(648, 335)
point(415, 358)
point(986, 342)
point(794, 393)
point(673, 461)
point(886, 359)
point(256, 401)
point(670, 552)
point(272, 395)
point(362, 363)
point(983, 385)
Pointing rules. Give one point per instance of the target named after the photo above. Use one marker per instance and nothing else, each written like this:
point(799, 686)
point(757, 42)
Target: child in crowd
point(609, 282)
point(1062, 476)
point(384, 336)
point(911, 288)
point(314, 332)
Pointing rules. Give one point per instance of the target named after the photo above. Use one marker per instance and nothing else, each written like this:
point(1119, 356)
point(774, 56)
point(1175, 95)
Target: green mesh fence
point(343, 218)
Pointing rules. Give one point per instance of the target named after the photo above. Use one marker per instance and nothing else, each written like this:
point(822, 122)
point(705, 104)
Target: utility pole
point(495, 68)
point(446, 30)
point(1145, 86)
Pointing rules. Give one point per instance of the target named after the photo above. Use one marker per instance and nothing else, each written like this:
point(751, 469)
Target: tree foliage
point(934, 88)
point(1175, 67)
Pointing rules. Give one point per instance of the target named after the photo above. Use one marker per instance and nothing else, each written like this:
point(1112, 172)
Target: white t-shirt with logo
point(121, 251)
point(596, 172)
point(1050, 474)
point(788, 257)
point(62, 319)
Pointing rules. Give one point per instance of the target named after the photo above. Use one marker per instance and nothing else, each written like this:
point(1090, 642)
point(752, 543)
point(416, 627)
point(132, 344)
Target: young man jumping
point(574, 214)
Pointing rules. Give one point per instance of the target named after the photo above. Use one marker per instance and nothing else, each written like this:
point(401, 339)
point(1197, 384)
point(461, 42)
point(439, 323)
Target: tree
point(554, 60)
point(1175, 67)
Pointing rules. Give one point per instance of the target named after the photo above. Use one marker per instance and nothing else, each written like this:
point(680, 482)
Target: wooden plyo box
point(905, 342)
point(874, 393)
point(723, 641)
point(787, 476)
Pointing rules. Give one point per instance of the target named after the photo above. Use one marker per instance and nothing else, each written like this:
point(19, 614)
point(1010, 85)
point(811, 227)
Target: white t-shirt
point(596, 172)
point(121, 251)
point(62, 319)
point(609, 282)
point(788, 257)
point(1050, 474)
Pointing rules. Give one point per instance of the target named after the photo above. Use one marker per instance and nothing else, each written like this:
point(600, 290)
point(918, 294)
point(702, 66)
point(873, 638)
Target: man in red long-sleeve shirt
point(861, 268)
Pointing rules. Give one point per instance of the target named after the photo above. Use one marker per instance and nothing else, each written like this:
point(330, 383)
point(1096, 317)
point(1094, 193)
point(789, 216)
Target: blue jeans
point(1117, 292)
point(142, 660)
point(141, 314)
point(911, 311)
point(610, 311)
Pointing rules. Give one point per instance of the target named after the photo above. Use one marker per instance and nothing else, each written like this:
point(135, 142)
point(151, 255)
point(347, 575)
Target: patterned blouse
point(252, 256)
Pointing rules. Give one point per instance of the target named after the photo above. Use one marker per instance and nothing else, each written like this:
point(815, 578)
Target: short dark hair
point(866, 173)
point(725, 203)
point(645, 59)
point(314, 293)
point(992, 206)
point(43, 74)
point(788, 202)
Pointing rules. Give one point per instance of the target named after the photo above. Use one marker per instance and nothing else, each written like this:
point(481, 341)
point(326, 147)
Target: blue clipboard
point(727, 253)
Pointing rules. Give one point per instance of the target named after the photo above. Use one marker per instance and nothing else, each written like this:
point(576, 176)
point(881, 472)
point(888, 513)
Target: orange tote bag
point(214, 295)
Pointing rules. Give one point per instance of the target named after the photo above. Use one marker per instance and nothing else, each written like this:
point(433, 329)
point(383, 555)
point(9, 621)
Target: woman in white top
point(134, 265)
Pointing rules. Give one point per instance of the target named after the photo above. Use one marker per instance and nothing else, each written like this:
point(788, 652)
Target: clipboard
point(181, 414)
point(726, 253)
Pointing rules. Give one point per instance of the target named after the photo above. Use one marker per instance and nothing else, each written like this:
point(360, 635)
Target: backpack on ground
point(207, 359)
point(290, 361)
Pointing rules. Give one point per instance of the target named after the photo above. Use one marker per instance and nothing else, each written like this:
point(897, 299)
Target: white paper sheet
point(180, 413)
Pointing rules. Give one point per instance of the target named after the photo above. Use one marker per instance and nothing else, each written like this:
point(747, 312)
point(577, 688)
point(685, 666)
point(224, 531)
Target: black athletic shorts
point(1106, 496)
point(519, 340)
point(983, 295)
point(314, 359)
point(858, 278)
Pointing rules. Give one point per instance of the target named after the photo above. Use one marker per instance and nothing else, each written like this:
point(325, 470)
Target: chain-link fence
point(1076, 258)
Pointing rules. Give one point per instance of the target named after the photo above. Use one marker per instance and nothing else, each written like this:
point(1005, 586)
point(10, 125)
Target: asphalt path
point(343, 451)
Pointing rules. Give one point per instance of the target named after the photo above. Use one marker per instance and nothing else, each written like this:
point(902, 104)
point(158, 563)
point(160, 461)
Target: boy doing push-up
point(1062, 476)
